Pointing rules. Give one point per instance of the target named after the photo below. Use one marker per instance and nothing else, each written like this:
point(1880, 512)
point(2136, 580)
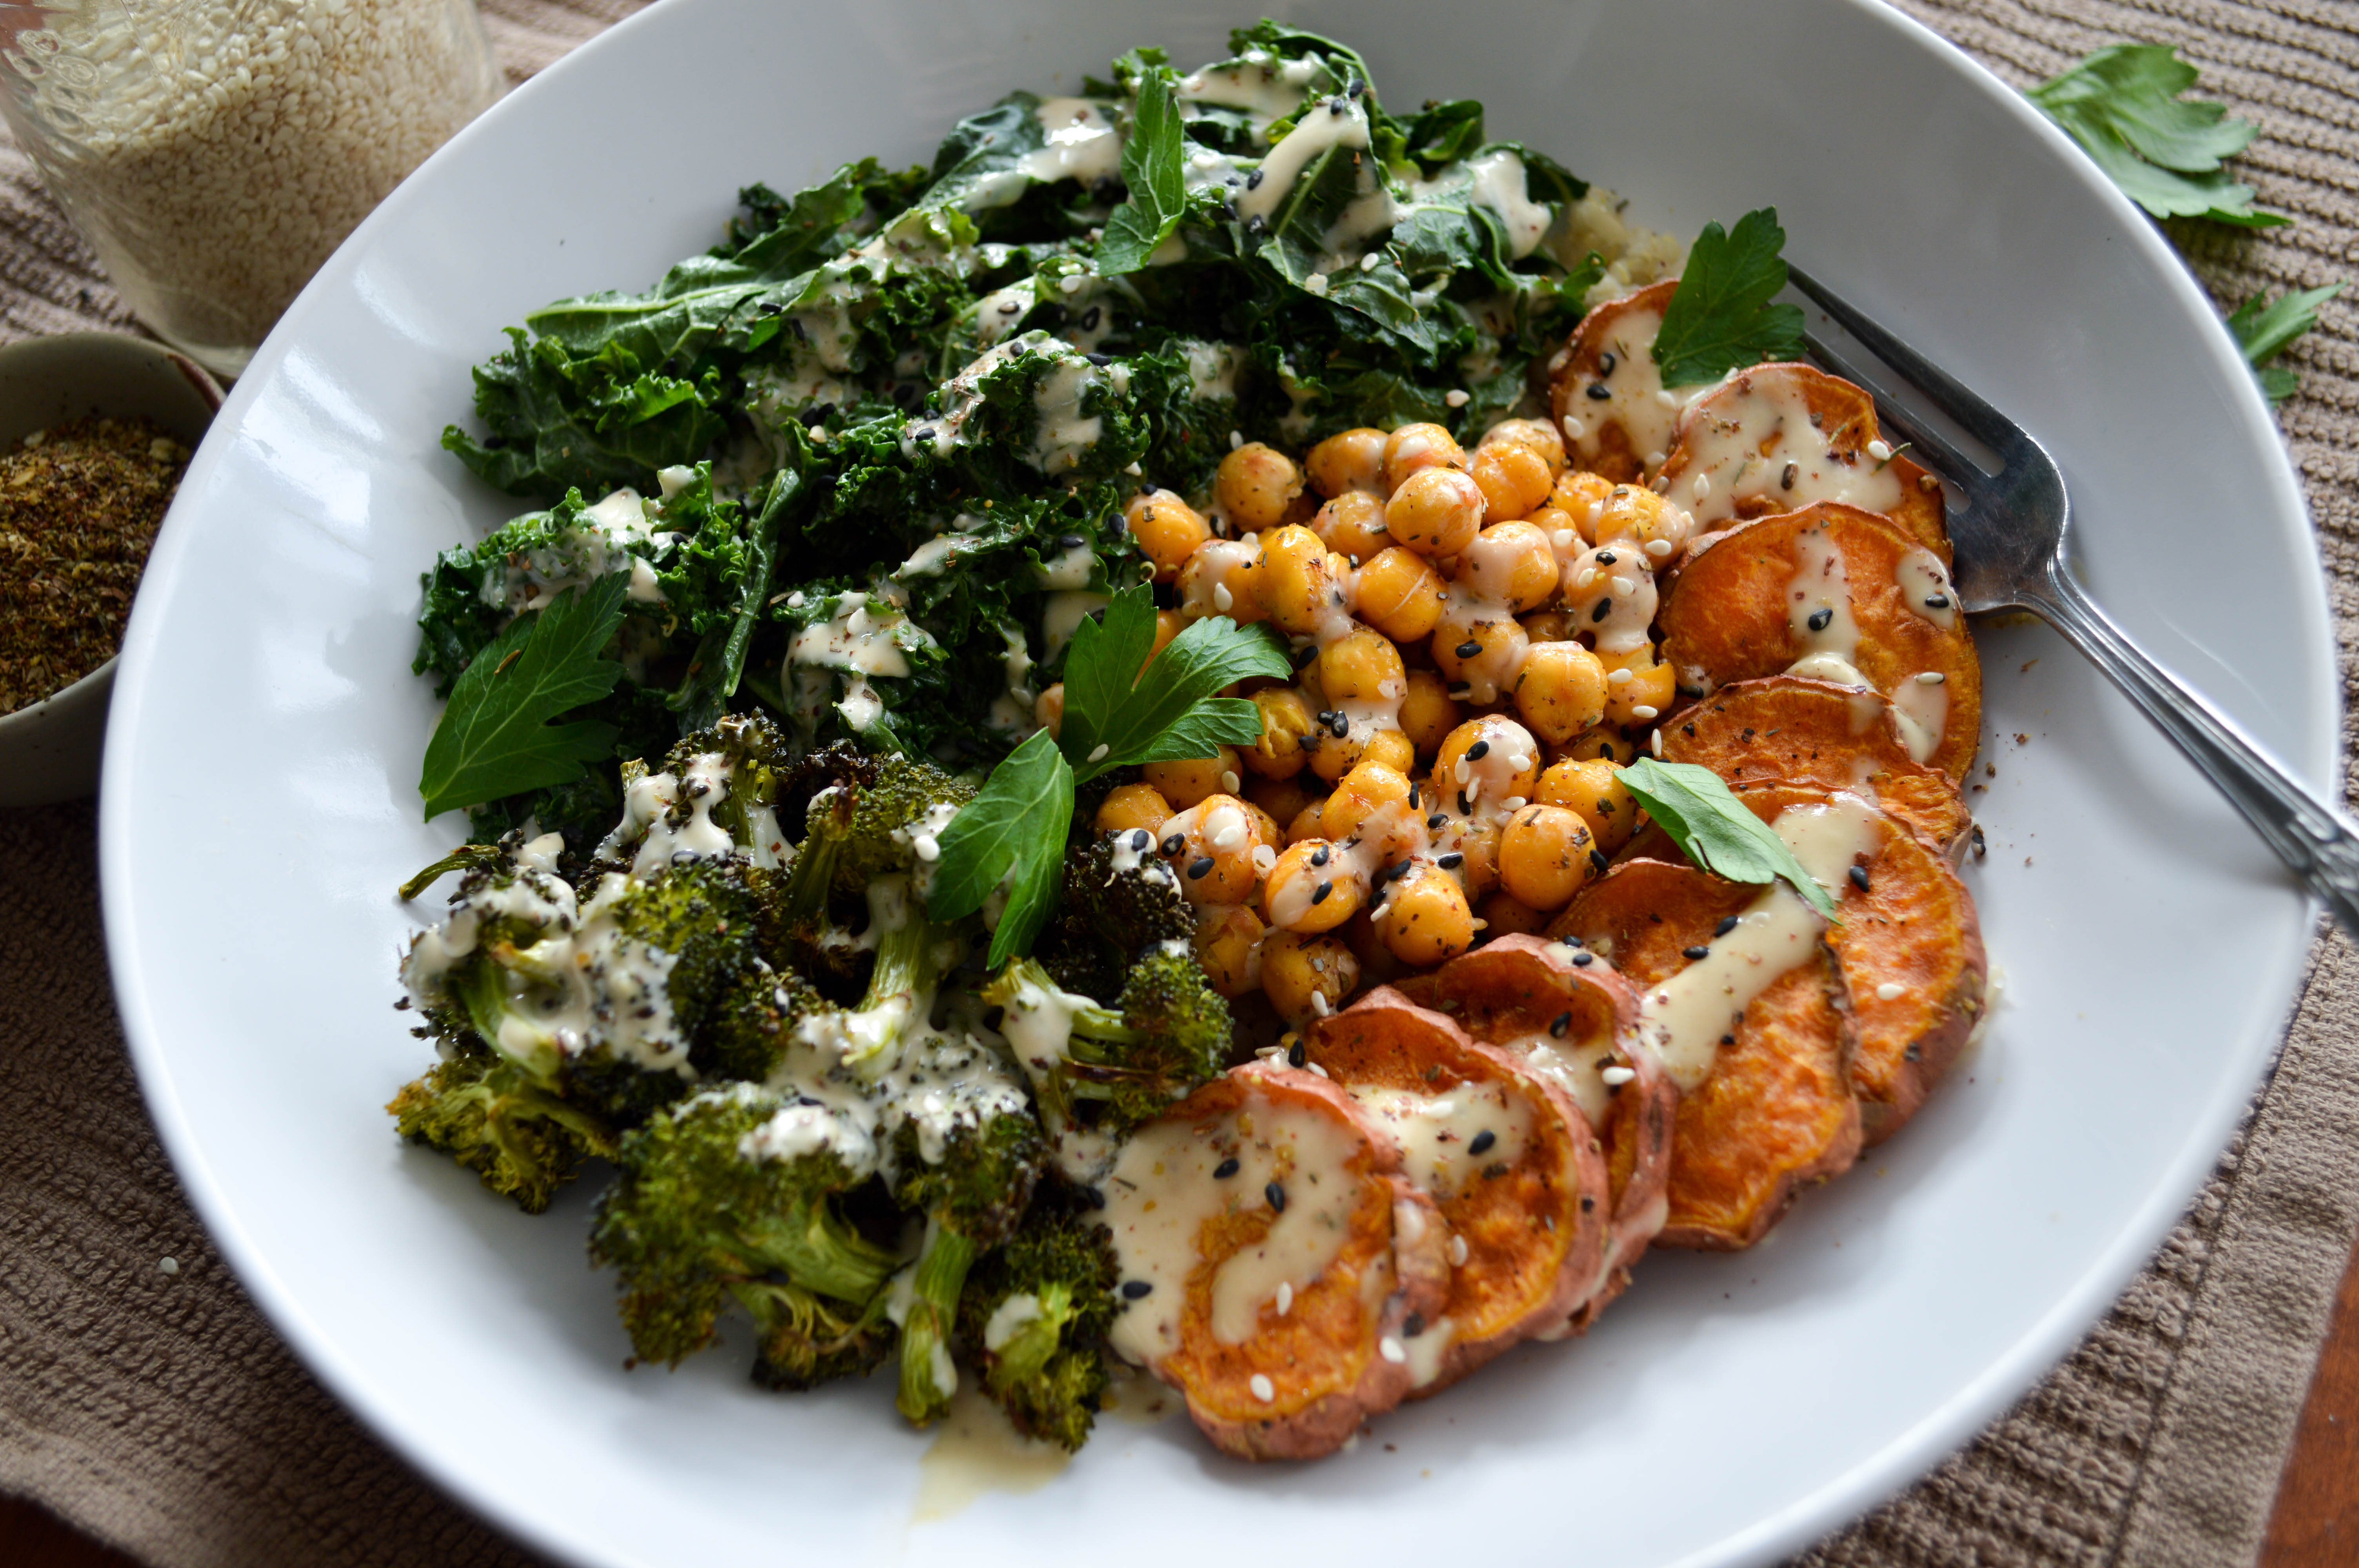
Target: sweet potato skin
point(1776, 1112)
point(1510, 991)
point(1613, 457)
point(1328, 1340)
point(1725, 617)
point(1789, 730)
point(1535, 1229)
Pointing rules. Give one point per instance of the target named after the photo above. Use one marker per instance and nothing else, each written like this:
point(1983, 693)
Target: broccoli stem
point(1027, 1350)
point(481, 987)
point(812, 876)
point(928, 1377)
point(819, 1251)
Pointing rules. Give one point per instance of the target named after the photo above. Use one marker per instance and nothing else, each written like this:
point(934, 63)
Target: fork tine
point(1931, 444)
point(1940, 388)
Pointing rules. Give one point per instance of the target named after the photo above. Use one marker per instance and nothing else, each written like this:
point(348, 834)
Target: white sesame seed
point(1701, 486)
point(1620, 677)
point(1658, 739)
point(1285, 1297)
point(1654, 459)
point(1315, 284)
point(1658, 549)
point(1667, 400)
point(1223, 600)
point(1371, 261)
point(1319, 1005)
point(1237, 439)
point(1642, 712)
point(1098, 752)
point(1315, 1067)
point(1457, 397)
point(1564, 539)
point(929, 847)
point(1458, 1252)
point(1263, 1388)
point(1615, 1076)
point(1512, 802)
point(1888, 991)
point(1586, 580)
point(1880, 451)
point(1932, 677)
point(795, 600)
point(1574, 430)
point(1230, 838)
point(1393, 1350)
point(1071, 283)
point(1519, 761)
point(1229, 781)
point(1265, 859)
point(1465, 770)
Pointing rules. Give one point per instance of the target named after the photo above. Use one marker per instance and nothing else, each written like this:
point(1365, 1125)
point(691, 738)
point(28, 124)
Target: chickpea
point(1301, 509)
point(1658, 526)
point(1268, 835)
point(1413, 448)
point(1498, 754)
point(1426, 714)
point(1169, 624)
point(1361, 667)
point(1228, 943)
point(1349, 461)
point(1424, 917)
point(1436, 512)
point(1541, 435)
point(1645, 692)
point(1048, 709)
point(1563, 533)
point(1504, 915)
point(1561, 690)
point(1581, 496)
point(1211, 846)
point(1602, 741)
point(1353, 524)
point(1549, 626)
point(1167, 530)
point(1191, 782)
point(1468, 847)
point(1298, 592)
point(1223, 578)
point(1594, 788)
point(1358, 795)
point(1285, 721)
point(1399, 593)
point(1307, 823)
point(1514, 480)
point(1282, 799)
point(1255, 484)
point(1512, 561)
point(1291, 898)
point(1334, 758)
point(1544, 856)
point(1477, 649)
point(1133, 806)
point(1306, 977)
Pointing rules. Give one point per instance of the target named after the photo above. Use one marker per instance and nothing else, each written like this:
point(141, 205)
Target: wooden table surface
point(2316, 1523)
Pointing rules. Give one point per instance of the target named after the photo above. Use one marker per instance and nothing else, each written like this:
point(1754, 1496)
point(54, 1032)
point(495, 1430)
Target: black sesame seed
point(1859, 878)
point(1319, 894)
point(1099, 359)
point(1604, 608)
point(1414, 1325)
point(1319, 857)
point(1560, 1026)
point(1468, 648)
point(1597, 861)
point(1200, 868)
point(1600, 391)
point(1253, 181)
point(1305, 657)
point(1821, 619)
point(1339, 727)
point(1276, 1196)
point(1727, 924)
point(1728, 1039)
point(1225, 1169)
point(1582, 960)
point(1297, 1054)
point(1695, 954)
point(1483, 1142)
point(1939, 601)
point(1450, 862)
point(1071, 542)
point(1465, 806)
point(1786, 481)
point(1607, 361)
point(1139, 840)
point(1089, 319)
point(1173, 845)
point(1914, 1054)
point(1090, 1195)
point(1412, 797)
point(1587, 1203)
point(1134, 1288)
point(1606, 557)
point(1478, 751)
point(1436, 823)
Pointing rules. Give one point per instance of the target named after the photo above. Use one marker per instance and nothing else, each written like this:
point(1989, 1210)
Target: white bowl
point(49, 748)
point(260, 807)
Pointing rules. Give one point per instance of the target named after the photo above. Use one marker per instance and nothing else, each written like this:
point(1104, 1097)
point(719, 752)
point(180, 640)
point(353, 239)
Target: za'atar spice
point(80, 503)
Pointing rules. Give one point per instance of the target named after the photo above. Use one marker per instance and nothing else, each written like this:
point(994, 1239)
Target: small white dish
point(260, 807)
point(49, 748)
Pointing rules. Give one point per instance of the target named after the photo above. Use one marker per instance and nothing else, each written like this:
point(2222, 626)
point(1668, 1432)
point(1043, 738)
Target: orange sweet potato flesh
point(1845, 413)
point(1787, 730)
point(1321, 1355)
point(1725, 617)
point(1533, 1220)
point(1521, 992)
point(1616, 458)
point(1776, 1113)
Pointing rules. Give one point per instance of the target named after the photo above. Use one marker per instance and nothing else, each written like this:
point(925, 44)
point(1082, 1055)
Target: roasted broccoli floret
point(757, 759)
point(878, 819)
point(1031, 1317)
point(1108, 1069)
point(483, 1111)
point(1120, 901)
point(735, 1195)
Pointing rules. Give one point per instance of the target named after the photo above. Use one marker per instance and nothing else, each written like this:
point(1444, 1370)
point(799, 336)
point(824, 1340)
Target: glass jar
point(214, 152)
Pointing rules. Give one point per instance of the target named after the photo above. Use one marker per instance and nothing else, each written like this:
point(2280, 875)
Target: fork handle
point(2310, 835)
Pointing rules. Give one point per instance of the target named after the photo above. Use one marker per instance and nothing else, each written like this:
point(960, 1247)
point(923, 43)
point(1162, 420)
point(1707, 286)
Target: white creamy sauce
point(1924, 584)
point(1038, 1026)
point(975, 1453)
point(864, 635)
point(1753, 437)
point(1610, 591)
point(1065, 612)
point(1212, 369)
point(931, 558)
point(1319, 129)
point(607, 536)
point(686, 826)
point(1068, 570)
point(1499, 187)
point(1437, 1133)
point(1576, 1067)
point(1065, 433)
point(1635, 399)
point(1078, 142)
point(1818, 616)
point(1266, 92)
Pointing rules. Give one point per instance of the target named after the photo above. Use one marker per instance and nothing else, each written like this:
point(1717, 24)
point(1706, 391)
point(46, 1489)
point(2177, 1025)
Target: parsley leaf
point(1713, 828)
point(1017, 823)
point(2122, 104)
point(1720, 316)
point(495, 738)
point(1143, 715)
point(2263, 330)
point(1150, 168)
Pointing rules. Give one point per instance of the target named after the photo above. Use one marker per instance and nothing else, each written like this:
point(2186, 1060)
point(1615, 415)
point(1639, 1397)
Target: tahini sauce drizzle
point(1754, 437)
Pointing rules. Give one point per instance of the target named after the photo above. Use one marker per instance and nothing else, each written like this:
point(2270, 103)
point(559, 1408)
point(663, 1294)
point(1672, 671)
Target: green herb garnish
point(1713, 828)
point(1121, 709)
point(2263, 330)
point(2122, 104)
point(1721, 315)
point(1150, 169)
point(497, 737)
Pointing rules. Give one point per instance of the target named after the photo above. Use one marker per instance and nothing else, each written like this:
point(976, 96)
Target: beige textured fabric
point(160, 1412)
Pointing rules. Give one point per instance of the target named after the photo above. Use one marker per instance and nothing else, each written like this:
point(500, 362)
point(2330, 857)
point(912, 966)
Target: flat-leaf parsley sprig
point(2264, 330)
point(1722, 316)
point(1122, 709)
point(1714, 829)
point(2122, 104)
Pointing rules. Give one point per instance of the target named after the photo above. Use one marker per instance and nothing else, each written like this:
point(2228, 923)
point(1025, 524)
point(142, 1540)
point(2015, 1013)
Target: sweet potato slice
point(1505, 1154)
point(1568, 1014)
point(1787, 730)
point(1282, 1255)
point(1776, 1112)
point(1780, 437)
point(1731, 613)
point(1611, 349)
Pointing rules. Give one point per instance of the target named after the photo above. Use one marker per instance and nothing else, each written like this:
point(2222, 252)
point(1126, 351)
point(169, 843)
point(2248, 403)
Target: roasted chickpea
point(1306, 977)
point(1228, 943)
point(1638, 690)
point(1133, 806)
point(1514, 480)
point(1268, 835)
point(1594, 788)
point(1399, 593)
point(1167, 530)
point(1358, 795)
point(1048, 709)
point(1361, 667)
point(1426, 714)
point(1602, 741)
point(1354, 525)
point(1413, 448)
point(1561, 690)
point(1285, 721)
point(1298, 592)
point(1305, 823)
point(1349, 461)
point(1490, 758)
point(1282, 799)
point(1549, 626)
point(1255, 485)
point(1311, 888)
point(1424, 917)
point(1169, 624)
point(1512, 561)
point(1541, 435)
point(1191, 782)
point(1436, 512)
point(1563, 534)
point(1478, 649)
point(1335, 758)
point(1504, 915)
point(1223, 578)
point(1581, 496)
point(1657, 527)
point(1210, 846)
point(1544, 856)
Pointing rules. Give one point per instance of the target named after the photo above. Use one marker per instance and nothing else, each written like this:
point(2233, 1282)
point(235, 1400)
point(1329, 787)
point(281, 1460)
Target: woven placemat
point(158, 1412)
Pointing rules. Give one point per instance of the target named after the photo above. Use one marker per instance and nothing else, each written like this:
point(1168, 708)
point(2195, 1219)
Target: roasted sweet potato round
point(1612, 349)
point(1836, 585)
point(1281, 1256)
point(1512, 1164)
point(1775, 1111)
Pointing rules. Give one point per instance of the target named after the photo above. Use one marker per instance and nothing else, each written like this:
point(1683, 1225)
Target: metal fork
point(2012, 540)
